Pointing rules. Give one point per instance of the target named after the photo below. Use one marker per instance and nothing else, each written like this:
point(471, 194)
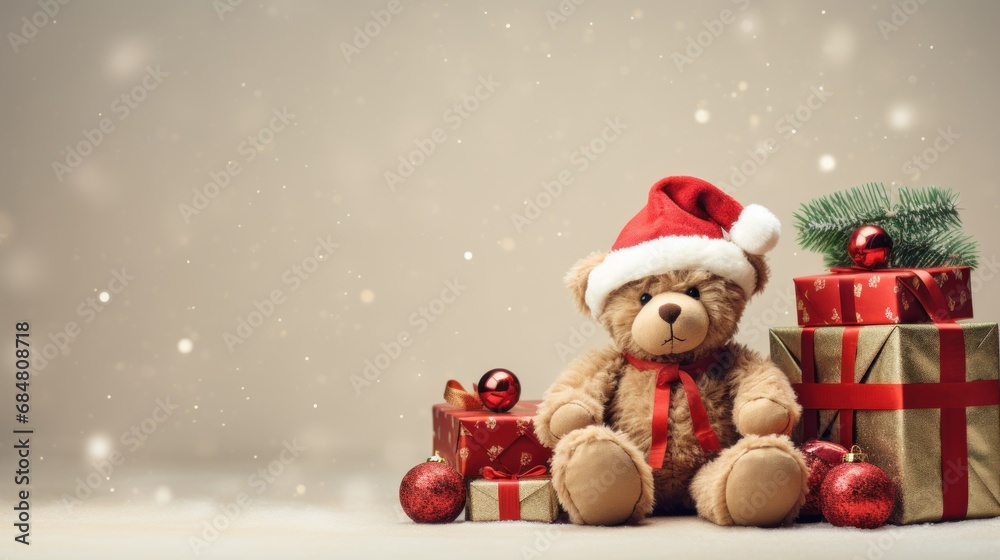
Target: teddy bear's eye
point(693, 292)
point(644, 298)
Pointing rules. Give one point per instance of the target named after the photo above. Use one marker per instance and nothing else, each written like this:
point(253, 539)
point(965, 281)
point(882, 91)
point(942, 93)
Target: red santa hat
point(681, 227)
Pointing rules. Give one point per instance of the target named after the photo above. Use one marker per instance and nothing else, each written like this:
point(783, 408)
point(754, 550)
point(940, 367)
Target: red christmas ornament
point(499, 390)
point(821, 456)
point(432, 492)
point(857, 494)
point(869, 247)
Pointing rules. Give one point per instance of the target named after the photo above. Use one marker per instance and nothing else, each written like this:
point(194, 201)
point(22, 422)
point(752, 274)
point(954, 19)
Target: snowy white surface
point(285, 530)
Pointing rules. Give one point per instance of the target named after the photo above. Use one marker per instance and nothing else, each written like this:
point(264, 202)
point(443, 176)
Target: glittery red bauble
point(869, 247)
point(821, 456)
point(432, 492)
point(499, 390)
point(857, 495)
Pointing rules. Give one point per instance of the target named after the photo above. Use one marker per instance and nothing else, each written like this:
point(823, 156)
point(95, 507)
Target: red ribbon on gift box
point(508, 489)
point(952, 395)
point(667, 374)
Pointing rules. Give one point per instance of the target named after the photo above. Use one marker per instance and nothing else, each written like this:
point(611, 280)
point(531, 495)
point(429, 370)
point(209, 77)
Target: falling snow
point(827, 163)
point(185, 345)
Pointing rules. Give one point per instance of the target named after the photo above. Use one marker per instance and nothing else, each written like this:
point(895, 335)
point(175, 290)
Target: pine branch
point(924, 224)
point(951, 248)
point(826, 222)
point(928, 208)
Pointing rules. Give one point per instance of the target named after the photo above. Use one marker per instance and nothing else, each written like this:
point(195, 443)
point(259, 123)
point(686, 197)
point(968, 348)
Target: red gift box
point(471, 440)
point(882, 297)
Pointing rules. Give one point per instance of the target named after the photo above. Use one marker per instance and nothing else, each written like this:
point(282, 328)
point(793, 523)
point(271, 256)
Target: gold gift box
point(536, 497)
point(907, 443)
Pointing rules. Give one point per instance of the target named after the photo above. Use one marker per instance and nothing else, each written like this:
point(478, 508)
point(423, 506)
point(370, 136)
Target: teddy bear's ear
point(763, 271)
point(576, 279)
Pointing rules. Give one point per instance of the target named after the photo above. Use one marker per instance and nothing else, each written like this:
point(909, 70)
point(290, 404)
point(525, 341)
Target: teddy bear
point(674, 416)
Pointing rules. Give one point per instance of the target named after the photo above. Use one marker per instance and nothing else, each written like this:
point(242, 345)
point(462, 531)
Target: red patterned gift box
point(923, 400)
point(471, 440)
point(878, 297)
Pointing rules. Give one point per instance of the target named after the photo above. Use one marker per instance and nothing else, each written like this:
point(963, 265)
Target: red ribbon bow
point(667, 374)
point(534, 472)
point(508, 489)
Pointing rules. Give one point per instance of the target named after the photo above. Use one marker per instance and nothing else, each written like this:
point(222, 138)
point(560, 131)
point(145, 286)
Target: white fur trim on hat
point(756, 231)
point(665, 254)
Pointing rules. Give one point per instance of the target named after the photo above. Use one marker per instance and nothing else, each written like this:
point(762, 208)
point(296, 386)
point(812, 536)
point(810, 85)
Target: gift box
point(471, 440)
point(922, 400)
point(504, 497)
point(888, 296)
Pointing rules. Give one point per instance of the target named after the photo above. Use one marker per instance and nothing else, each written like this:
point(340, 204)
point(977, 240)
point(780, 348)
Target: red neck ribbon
point(508, 489)
point(666, 374)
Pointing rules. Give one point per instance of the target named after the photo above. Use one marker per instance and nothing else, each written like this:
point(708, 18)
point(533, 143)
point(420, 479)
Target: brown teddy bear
point(675, 416)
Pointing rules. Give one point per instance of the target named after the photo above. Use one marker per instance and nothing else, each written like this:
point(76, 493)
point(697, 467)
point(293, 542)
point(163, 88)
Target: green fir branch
point(951, 248)
point(931, 208)
point(924, 224)
point(826, 222)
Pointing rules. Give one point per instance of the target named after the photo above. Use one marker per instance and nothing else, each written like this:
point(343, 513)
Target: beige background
point(323, 176)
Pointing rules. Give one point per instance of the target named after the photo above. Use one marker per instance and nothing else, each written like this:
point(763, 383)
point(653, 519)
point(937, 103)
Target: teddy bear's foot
point(758, 491)
point(760, 481)
point(601, 478)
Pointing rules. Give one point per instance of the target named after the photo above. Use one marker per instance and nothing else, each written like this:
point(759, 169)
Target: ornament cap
point(856, 455)
point(436, 458)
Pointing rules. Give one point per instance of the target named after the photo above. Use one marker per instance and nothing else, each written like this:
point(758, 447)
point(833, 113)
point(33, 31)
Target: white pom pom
point(756, 231)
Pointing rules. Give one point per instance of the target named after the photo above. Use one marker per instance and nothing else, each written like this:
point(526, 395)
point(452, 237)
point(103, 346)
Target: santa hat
point(681, 227)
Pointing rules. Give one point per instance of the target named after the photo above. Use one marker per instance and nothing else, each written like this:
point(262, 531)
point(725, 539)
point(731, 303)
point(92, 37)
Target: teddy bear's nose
point(669, 312)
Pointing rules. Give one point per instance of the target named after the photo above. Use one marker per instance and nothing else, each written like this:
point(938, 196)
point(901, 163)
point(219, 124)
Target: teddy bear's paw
point(763, 417)
point(763, 487)
point(599, 480)
point(568, 417)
